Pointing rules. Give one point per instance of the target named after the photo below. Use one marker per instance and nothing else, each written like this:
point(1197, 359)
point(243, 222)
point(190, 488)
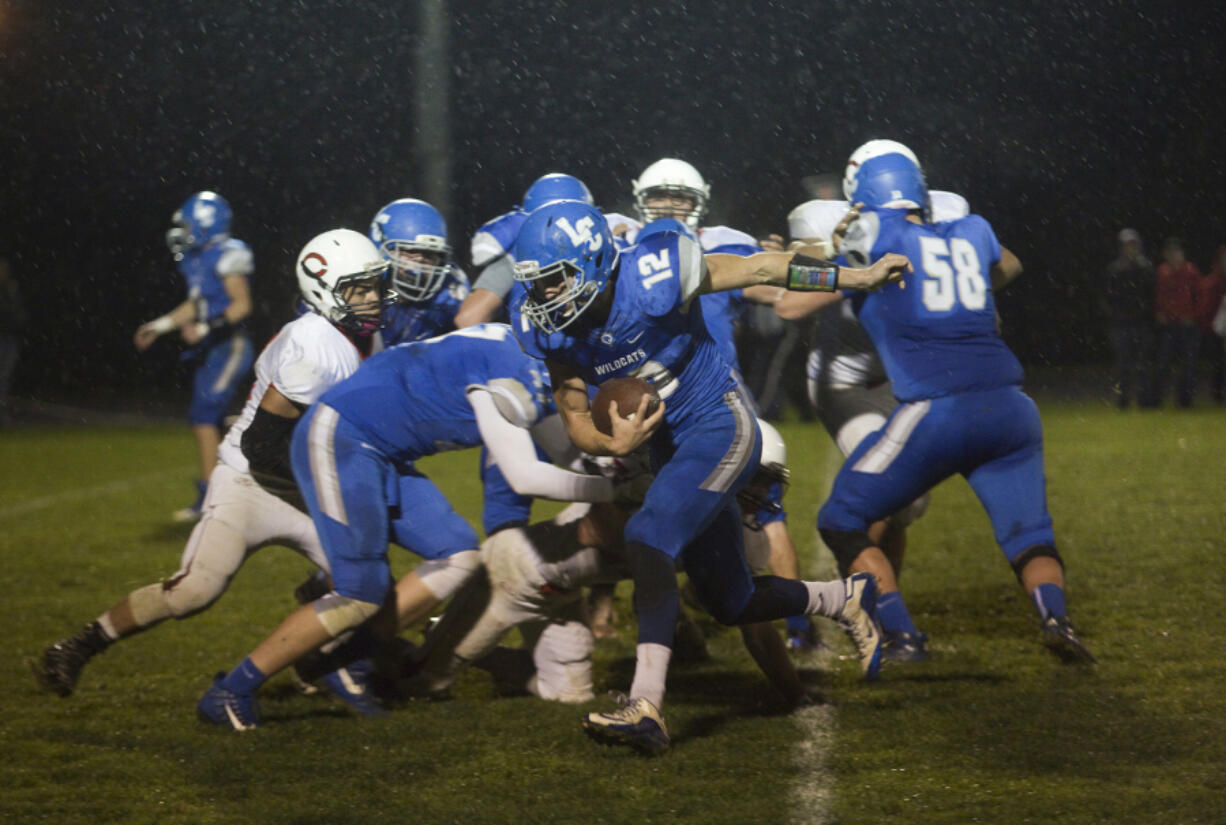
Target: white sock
point(650, 671)
point(108, 629)
point(826, 598)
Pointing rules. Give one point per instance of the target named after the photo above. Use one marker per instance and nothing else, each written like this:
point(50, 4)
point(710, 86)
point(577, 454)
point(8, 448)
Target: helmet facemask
point(557, 293)
point(755, 496)
point(691, 215)
point(179, 237)
point(362, 317)
point(413, 279)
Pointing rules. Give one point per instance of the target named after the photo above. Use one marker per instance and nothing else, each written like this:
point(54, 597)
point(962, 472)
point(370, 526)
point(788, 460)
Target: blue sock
point(1049, 601)
point(893, 614)
point(246, 678)
point(798, 624)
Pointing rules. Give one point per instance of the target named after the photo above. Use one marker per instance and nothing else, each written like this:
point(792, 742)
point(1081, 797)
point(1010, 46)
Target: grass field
point(991, 731)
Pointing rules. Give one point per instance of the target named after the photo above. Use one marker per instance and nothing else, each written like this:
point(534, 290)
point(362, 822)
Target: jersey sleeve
point(307, 366)
point(513, 400)
point(236, 259)
point(497, 277)
point(667, 270)
point(983, 230)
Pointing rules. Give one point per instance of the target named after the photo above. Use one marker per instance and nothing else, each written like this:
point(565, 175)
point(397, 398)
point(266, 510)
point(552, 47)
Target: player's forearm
point(801, 270)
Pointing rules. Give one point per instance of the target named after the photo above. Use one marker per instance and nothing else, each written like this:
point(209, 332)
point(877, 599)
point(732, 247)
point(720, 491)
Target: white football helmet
point(885, 174)
point(331, 263)
point(669, 176)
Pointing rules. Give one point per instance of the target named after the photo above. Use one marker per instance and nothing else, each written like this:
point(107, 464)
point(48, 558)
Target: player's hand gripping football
point(632, 431)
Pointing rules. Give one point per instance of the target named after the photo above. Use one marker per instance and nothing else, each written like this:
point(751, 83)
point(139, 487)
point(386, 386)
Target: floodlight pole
point(432, 104)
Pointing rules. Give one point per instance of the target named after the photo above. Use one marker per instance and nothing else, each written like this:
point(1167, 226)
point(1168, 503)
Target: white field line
point(813, 793)
point(814, 789)
point(86, 493)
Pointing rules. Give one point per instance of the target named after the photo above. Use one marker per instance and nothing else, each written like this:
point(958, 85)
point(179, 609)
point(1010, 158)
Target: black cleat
point(61, 666)
point(316, 586)
point(1060, 638)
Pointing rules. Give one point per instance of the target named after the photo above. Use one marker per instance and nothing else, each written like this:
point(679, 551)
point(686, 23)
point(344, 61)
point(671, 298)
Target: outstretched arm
point(726, 272)
point(515, 453)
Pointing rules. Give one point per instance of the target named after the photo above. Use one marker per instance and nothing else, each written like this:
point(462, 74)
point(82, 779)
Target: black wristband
point(807, 274)
point(218, 323)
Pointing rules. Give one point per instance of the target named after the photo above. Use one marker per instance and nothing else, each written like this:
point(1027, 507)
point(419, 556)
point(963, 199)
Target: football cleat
point(859, 618)
point(636, 724)
point(904, 647)
point(61, 666)
point(221, 706)
point(62, 663)
point(1060, 638)
point(317, 585)
point(187, 515)
point(351, 684)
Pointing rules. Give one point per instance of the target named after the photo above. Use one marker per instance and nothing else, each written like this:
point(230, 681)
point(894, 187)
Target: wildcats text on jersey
point(623, 361)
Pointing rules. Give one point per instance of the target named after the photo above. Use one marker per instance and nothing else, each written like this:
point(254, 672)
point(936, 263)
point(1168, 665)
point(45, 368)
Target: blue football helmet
point(412, 236)
point(203, 217)
point(555, 187)
point(885, 174)
point(665, 225)
point(565, 255)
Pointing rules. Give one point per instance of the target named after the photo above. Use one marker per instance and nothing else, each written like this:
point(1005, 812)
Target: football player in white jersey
point(251, 500)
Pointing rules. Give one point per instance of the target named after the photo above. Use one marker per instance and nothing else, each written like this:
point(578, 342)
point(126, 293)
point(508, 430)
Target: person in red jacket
point(1209, 293)
point(1175, 312)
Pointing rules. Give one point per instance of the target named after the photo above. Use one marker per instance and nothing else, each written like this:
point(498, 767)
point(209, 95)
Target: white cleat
point(859, 618)
point(637, 724)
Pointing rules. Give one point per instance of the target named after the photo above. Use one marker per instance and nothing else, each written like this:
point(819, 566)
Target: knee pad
point(1038, 551)
point(187, 595)
point(339, 613)
point(148, 605)
point(910, 514)
point(563, 659)
point(845, 545)
point(513, 562)
point(443, 577)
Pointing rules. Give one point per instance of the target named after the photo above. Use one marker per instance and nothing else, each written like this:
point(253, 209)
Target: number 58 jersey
point(936, 328)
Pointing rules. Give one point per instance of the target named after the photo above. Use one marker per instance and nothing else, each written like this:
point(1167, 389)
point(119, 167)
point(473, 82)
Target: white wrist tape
point(162, 325)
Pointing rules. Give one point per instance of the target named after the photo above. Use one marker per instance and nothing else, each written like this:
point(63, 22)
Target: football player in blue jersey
point(493, 242)
point(428, 287)
point(592, 314)
point(720, 312)
point(211, 321)
point(961, 408)
point(353, 457)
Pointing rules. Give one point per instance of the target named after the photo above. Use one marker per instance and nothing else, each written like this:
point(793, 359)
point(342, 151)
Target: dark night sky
point(1059, 126)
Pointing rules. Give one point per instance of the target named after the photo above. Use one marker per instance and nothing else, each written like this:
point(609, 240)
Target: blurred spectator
point(12, 320)
point(1209, 292)
point(1126, 300)
point(1175, 312)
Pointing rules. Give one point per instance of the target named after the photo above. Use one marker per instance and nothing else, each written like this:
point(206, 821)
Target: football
point(627, 392)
